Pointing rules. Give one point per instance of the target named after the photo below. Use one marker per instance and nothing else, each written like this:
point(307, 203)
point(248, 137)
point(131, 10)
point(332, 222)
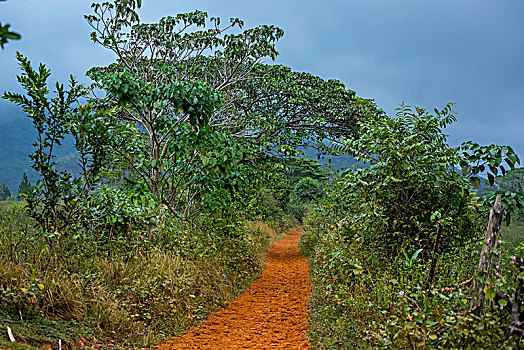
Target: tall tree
point(283, 110)
point(269, 104)
point(24, 188)
point(189, 75)
point(4, 192)
point(167, 92)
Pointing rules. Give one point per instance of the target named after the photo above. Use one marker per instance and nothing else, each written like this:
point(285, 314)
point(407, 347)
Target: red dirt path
point(271, 314)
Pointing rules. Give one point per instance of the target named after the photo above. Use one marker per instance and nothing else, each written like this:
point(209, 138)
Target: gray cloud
point(426, 53)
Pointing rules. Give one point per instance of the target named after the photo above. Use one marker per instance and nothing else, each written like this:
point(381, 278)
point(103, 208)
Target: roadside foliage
point(394, 247)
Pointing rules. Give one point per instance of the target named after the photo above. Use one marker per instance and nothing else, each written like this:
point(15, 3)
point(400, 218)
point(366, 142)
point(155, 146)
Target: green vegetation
point(512, 183)
point(174, 200)
point(6, 34)
point(5, 193)
point(24, 188)
point(393, 248)
point(190, 165)
point(139, 287)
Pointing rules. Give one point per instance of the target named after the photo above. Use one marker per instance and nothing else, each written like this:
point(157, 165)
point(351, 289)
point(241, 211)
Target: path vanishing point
point(271, 314)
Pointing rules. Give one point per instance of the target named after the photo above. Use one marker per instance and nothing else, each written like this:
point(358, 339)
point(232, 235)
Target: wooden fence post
point(486, 255)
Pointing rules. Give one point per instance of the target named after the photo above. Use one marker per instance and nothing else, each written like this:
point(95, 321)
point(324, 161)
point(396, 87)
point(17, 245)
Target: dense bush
point(410, 184)
point(364, 297)
point(381, 278)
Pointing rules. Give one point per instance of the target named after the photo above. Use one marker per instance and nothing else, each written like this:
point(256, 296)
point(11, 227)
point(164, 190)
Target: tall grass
point(153, 286)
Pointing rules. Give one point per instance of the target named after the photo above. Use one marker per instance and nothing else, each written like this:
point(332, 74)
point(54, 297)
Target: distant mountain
point(16, 136)
point(340, 163)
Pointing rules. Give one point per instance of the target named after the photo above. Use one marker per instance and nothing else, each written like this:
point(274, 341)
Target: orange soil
point(271, 314)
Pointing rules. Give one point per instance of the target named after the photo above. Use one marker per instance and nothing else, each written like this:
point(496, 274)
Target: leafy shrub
point(411, 183)
point(362, 297)
point(307, 190)
point(55, 202)
point(439, 319)
point(381, 277)
point(120, 218)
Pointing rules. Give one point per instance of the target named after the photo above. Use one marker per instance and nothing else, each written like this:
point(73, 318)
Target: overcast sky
point(423, 52)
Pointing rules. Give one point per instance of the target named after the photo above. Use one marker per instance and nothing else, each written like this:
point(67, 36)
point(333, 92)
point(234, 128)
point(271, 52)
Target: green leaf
point(491, 179)
point(466, 170)
point(490, 293)
point(475, 182)
point(12, 36)
point(414, 257)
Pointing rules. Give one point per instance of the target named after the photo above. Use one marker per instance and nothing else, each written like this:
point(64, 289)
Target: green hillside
point(16, 136)
point(334, 163)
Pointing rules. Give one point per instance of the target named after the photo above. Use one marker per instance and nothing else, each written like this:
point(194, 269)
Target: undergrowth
point(513, 234)
point(394, 248)
point(152, 286)
point(362, 298)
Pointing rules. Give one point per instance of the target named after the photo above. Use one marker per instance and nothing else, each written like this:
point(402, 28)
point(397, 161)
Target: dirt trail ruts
point(271, 314)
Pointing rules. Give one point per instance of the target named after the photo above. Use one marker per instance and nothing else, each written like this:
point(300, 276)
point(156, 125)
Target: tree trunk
point(435, 253)
point(486, 256)
point(515, 308)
